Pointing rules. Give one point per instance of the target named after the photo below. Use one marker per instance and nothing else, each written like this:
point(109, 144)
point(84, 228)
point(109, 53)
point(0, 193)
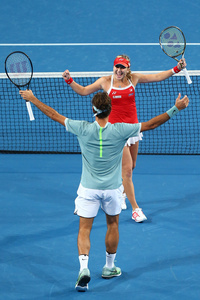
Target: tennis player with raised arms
point(121, 88)
point(102, 146)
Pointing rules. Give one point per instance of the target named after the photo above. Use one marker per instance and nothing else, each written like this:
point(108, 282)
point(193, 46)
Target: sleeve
point(130, 130)
point(73, 126)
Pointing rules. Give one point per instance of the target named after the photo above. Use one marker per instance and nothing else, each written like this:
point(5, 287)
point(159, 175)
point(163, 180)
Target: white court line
point(90, 44)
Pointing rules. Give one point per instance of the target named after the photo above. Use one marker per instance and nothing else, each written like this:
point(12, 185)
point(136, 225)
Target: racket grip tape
point(187, 76)
point(30, 112)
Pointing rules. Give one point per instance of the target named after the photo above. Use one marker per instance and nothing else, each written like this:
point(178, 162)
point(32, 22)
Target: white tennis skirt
point(134, 139)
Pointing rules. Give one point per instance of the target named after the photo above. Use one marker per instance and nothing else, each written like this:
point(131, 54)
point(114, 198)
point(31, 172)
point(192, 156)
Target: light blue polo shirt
point(101, 151)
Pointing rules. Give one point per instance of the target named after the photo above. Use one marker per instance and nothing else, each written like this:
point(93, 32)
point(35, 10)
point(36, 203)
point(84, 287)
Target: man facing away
point(101, 146)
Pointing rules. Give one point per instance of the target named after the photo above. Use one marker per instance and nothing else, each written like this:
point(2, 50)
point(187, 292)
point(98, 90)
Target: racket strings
point(19, 69)
point(172, 42)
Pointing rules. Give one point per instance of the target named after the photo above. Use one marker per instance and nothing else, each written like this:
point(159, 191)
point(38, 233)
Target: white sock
point(110, 258)
point(83, 259)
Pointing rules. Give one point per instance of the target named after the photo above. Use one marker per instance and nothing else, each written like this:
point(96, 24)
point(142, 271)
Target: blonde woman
point(120, 86)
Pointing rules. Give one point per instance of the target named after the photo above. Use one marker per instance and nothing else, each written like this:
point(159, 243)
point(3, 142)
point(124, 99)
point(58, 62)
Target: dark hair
point(103, 102)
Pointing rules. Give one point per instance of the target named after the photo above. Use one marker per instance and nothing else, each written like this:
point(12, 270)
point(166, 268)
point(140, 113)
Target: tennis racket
point(173, 43)
point(19, 69)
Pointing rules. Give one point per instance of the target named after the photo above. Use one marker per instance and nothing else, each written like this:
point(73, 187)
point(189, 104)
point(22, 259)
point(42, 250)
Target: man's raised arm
point(159, 120)
point(47, 110)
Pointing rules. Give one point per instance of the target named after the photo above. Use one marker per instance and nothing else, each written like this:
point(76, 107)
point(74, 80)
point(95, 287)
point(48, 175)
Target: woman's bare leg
point(128, 164)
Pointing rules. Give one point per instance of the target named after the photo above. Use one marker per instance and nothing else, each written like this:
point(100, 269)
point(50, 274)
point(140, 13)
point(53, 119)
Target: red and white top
point(123, 104)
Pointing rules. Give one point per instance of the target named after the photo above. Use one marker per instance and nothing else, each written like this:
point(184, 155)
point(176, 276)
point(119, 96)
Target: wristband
point(69, 81)
point(175, 70)
point(172, 111)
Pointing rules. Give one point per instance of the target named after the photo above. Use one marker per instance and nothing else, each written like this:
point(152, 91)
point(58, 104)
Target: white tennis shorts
point(133, 140)
point(88, 202)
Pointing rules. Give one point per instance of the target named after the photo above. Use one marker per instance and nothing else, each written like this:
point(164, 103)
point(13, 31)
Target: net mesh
point(181, 135)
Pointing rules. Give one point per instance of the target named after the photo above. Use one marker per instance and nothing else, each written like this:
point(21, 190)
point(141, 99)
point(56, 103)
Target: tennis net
point(181, 135)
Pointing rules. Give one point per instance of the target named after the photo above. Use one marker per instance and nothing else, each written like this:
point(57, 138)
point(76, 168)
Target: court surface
point(160, 258)
point(87, 35)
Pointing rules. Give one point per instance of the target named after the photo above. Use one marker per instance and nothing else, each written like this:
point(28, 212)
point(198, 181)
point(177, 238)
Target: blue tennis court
point(159, 258)
point(39, 259)
point(60, 35)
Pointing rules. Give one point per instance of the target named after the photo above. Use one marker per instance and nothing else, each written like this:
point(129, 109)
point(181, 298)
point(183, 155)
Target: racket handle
point(187, 76)
point(30, 112)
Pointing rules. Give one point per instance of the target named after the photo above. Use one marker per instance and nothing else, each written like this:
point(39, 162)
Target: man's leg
point(111, 242)
point(112, 234)
point(85, 226)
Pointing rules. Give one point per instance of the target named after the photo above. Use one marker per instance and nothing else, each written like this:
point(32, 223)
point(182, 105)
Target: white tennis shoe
point(138, 215)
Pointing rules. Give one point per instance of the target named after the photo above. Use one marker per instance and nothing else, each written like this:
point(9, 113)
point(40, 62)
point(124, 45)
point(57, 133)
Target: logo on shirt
point(119, 96)
point(131, 94)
